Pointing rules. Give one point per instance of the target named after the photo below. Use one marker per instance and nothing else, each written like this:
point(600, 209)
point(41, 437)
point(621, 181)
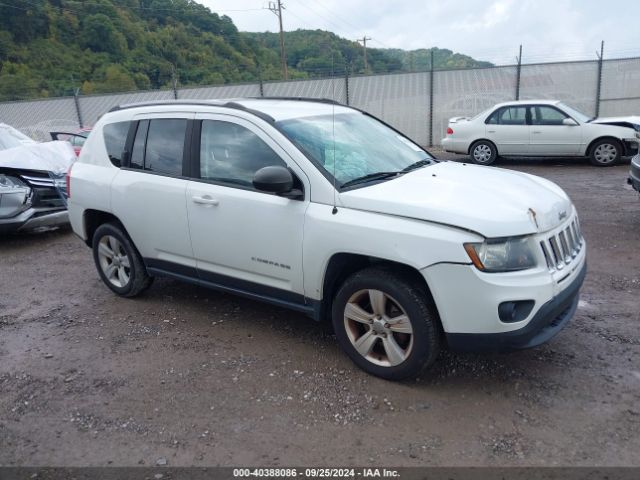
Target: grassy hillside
point(53, 47)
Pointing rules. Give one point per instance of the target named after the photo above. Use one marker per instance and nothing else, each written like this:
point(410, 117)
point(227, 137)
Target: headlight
point(15, 196)
point(11, 183)
point(502, 255)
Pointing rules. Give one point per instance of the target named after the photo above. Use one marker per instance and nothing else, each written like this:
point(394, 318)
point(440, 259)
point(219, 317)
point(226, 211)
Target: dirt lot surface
point(188, 376)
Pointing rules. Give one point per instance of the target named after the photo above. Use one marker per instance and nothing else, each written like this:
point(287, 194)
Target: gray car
point(634, 173)
point(31, 182)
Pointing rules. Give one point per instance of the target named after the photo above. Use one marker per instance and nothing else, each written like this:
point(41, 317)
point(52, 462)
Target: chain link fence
point(418, 104)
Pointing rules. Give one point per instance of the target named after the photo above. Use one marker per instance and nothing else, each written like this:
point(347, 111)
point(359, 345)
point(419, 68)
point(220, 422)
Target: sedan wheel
point(483, 153)
point(605, 153)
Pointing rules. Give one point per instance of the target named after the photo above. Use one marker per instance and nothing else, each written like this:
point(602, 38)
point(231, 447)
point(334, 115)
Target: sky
point(489, 30)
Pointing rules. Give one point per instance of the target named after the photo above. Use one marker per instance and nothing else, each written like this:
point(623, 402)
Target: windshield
point(362, 146)
point(579, 116)
point(10, 138)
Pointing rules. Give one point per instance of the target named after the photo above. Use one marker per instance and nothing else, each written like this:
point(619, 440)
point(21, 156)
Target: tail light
point(68, 181)
point(449, 131)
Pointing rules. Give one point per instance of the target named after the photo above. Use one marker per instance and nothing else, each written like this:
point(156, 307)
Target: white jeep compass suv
point(326, 210)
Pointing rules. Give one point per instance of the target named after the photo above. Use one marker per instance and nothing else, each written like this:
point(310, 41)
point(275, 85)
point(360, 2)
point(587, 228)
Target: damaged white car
point(32, 182)
point(542, 128)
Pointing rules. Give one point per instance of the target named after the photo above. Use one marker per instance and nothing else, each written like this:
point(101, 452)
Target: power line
point(322, 16)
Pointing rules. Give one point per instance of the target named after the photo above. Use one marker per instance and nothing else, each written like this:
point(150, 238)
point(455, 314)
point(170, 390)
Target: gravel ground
point(188, 376)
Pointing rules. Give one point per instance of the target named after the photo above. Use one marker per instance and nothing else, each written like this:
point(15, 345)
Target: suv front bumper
point(545, 324)
point(470, 301)
point(634, 173)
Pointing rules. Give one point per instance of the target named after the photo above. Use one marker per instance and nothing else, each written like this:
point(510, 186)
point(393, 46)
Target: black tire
point(138, 280)
point(414, 301)
point(483, 152)
point(605, 152)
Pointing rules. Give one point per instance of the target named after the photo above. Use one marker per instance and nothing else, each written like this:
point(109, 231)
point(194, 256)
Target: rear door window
point(513, 116)
point(493, 118)
point(165, 146)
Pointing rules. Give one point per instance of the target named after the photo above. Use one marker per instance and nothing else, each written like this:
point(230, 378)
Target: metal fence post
point(599, 85)
point(76, 100)
point(431, 102)
point(261, 86)
point(346, 82)
point(518, 70)
point(174, 81)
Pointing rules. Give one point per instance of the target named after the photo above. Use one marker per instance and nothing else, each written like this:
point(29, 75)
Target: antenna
point(333, 132)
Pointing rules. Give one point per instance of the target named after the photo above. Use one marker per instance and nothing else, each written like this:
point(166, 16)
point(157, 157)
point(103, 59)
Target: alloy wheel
point(378, 327)
point(114, 261)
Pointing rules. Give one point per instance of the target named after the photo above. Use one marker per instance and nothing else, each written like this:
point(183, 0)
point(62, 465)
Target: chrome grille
point(38, 181)
point(563, 246)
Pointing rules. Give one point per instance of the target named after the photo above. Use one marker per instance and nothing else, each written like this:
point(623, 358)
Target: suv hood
point(631, 121)
point(490, 201)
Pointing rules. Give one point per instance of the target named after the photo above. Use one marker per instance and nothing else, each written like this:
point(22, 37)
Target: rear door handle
point(536, 131)
point(205, 200)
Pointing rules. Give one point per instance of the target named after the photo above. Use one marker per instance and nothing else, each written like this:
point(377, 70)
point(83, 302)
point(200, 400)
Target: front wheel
point(119, 263)
point(483, 152)
point(386, 323)
point(605, 153)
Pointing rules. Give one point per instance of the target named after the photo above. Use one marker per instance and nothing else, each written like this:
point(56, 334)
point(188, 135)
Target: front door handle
point(536, 131)
point(205, 200)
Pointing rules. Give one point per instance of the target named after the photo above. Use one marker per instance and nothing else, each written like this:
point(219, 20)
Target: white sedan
point(545, 128)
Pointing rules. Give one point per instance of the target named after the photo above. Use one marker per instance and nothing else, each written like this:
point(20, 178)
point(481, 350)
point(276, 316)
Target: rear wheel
point(483, 152)
point(605, 152)
point(119, 263)
point(386, 324)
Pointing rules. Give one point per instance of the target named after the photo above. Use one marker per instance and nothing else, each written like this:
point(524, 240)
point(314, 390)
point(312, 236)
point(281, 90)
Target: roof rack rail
point(231, 103)
point(158, 103)
point(203, 103)
point(257, 113)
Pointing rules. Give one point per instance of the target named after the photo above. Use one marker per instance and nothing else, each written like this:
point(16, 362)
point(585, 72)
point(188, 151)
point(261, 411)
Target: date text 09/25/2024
point(315, 472)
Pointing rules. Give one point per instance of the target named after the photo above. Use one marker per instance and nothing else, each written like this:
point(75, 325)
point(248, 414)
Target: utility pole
point(363, 40)
point(276, 7)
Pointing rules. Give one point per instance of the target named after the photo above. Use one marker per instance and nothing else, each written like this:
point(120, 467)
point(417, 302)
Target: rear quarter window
point(115, 138)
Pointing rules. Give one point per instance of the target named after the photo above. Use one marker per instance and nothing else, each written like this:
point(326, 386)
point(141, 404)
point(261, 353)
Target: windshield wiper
point(370, 177)
point(420, 163)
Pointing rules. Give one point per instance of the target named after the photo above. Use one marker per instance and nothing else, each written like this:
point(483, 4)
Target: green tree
point(116, 79)
point(17, 83)
point(100, 35)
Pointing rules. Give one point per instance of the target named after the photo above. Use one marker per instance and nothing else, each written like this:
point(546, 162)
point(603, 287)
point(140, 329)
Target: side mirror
point(570, 122)
point(276, 179)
